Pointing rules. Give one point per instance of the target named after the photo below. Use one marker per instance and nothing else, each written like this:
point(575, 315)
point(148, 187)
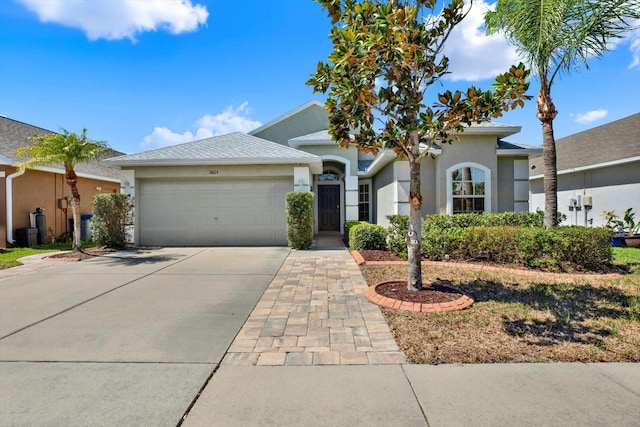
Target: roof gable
point(306, 119)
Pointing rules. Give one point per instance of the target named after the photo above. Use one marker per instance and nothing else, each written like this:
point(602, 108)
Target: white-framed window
point(468, 188)
point(364, 201)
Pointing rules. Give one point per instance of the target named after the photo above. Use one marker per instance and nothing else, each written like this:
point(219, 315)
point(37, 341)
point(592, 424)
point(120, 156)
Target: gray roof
point(317, 138)
point(14, 135)
point(233, 148)
point(610, 142)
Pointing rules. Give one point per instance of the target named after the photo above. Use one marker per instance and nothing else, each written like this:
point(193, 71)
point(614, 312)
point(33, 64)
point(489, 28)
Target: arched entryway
point(329, 197)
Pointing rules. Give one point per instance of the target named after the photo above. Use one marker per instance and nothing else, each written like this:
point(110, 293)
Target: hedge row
point(504, 238)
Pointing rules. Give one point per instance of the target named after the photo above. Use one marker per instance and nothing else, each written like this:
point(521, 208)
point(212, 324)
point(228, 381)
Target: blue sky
point(141, 74)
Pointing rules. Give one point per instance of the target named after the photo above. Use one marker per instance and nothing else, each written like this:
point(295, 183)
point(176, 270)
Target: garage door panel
point(209, 213)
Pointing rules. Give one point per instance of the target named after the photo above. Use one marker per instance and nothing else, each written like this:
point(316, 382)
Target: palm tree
point(66, 149)
point(559, 36)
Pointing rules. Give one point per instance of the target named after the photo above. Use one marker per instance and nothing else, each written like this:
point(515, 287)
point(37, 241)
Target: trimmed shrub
point(397, 234)
point(348, 225)
point(368, 236)
point(299, 209)
point(507, 238)
point(112, 214)
point(490, 244)
point(438, 243)
point(583, 248)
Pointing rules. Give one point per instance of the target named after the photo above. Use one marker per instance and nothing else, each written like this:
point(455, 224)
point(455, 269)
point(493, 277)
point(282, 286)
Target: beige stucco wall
point(428, 185)
point(310, 120)
point(505, 184)
point(350, 154)
point(214, 171)
point(471, 148)
point(44, 189)
point(384, 195)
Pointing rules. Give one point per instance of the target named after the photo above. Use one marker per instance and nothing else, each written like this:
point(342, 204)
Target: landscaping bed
point(518, 316)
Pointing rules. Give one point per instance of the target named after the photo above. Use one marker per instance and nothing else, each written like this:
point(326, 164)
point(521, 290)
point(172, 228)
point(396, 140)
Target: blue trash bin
point(85, 226)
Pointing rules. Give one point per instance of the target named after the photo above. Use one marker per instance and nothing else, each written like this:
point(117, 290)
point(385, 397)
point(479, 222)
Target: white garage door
point(213, 213)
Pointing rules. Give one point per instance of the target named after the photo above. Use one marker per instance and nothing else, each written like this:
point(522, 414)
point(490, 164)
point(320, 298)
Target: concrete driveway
point(126, 339)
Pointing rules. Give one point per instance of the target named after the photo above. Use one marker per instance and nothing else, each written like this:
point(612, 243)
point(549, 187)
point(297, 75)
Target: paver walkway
point(315, 313)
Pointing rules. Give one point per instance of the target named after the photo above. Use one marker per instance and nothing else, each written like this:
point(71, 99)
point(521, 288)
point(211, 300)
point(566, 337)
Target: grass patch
point(627, 258)
point(520, 318)
point(9, 257)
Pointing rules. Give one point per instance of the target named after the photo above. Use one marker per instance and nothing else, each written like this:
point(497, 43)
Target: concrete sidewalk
point(418, 395)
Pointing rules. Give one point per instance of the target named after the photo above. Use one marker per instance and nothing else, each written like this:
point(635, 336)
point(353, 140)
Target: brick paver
point(315, 313)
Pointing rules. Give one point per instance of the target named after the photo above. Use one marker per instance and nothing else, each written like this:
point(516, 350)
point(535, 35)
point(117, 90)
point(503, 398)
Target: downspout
point(9, 204)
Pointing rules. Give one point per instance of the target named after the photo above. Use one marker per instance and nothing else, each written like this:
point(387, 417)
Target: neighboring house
point(44, 187)
point(598, 171)
point(229, 189)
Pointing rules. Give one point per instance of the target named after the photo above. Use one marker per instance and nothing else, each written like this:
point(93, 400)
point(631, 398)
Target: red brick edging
point(461, 303)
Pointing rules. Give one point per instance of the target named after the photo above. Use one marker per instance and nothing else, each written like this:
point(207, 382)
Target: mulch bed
point(431, 293)
point(371, 255)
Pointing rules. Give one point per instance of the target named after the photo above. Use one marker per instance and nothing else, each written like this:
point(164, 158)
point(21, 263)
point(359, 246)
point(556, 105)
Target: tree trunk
point(414, 237)
point(72, 181)
point(546, 113)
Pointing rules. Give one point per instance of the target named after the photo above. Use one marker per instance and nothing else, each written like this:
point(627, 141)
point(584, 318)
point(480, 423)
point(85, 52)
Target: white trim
point(314, 163)
point(519, 151)
point(487, 184)
point(317, 184)
point(344, 187)
point(382, 159)
point(488, 128)
point(368, 182)
point(593, 166)
point(346, 162)
point(9, 204)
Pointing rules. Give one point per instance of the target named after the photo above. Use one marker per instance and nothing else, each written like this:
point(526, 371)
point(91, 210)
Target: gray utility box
point(26, 237)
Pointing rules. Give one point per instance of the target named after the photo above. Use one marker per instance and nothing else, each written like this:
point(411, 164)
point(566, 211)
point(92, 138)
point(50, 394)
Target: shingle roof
point(14, 134)
point(233, 148)
point(320, 137)
point(610, 142)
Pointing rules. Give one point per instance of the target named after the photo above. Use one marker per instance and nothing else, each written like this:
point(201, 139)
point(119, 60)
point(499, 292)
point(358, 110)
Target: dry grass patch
point(517, 318)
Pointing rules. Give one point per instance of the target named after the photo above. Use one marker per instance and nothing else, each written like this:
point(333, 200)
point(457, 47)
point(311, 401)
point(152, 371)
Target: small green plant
point(397, 234)
point(613, 223)
point(112, 214)
point(368, 237)
point(629, 222)
point(348, 225)
point(299, 209)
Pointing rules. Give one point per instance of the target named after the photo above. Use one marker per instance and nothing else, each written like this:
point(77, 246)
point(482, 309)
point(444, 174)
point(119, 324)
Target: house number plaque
point(213, 172)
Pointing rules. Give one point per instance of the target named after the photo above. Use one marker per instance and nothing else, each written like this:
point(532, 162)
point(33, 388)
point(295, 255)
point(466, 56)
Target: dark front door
point(329, 208)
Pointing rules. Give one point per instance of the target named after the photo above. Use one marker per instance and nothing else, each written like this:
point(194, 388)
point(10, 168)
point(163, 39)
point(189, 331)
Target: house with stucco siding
point(229, 189)
point(598, 171)
point(42, 187)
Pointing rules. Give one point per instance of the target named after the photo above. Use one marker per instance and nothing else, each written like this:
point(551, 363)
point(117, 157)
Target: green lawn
point(629, 257)
point(9, 257)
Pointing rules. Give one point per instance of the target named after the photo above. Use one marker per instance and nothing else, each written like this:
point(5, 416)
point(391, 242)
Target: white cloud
point(230, 120)
point(472, 54)
point(119, 19)
point(591, 116)
point(634, 46)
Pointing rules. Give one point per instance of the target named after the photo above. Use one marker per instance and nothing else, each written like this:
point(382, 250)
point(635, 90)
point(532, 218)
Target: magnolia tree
point(386, 58)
